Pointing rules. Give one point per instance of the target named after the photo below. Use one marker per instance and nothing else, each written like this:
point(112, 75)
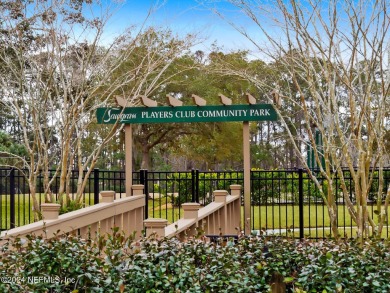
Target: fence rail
point(282, 201)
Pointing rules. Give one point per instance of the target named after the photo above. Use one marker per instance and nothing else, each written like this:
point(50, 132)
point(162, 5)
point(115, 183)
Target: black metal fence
point(283, 202)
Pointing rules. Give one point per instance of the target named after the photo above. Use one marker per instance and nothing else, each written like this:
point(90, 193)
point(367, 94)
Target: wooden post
point(138, 189)
point(50, 211)
point(128, 158)
point(222, 222)
point(235, 189)
point(107, 196)
point(247, 178)
point(190, 210)
point(157, 226)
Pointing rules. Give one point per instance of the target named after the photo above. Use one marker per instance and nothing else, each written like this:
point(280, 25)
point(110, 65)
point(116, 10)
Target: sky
point(185, 16)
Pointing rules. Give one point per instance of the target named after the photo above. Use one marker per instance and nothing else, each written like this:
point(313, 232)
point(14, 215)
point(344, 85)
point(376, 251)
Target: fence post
point(193, 187)
point(96, 185)
point(143, 178)
point(197, 185)
point(12, 198)
point(300, 190)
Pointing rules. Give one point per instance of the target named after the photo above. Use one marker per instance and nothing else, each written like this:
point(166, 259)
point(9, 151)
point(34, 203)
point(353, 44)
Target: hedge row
point(249, 264)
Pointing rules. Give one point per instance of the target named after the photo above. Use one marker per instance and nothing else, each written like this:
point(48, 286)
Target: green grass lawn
point(23, 210)
point(163, 208)
point(272, 217)
point(324, 232)
point(282, 219)
point(24, 213)
point(269, 217)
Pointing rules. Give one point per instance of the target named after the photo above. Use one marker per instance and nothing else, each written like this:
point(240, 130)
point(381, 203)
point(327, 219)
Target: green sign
point(165, 114)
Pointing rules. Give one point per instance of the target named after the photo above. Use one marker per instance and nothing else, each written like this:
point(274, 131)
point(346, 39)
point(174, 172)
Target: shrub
point(116, 263)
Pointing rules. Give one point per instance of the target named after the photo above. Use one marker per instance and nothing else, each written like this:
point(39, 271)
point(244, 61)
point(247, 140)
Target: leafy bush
point(250, 264)
point(70, 206)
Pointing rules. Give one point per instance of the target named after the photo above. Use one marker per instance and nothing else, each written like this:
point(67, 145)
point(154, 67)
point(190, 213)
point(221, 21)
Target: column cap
point(107, 195)
point(220, 195)
point(155, 223)
point(235, 187)
point(191, 206)
point(137, 186)
point(138, 189)
point(50, 211)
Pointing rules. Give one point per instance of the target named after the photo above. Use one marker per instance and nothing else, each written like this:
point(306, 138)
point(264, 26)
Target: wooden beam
point(225, 100)
point(128, 159)
point(173, 102)
point(198, 100)
point(250, 99)
point(276, 98)
point(148, 102)
point(247, 177)
point(122, 102)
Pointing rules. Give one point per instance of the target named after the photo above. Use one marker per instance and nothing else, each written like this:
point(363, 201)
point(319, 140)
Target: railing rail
point(125, 213)
point(219, 218)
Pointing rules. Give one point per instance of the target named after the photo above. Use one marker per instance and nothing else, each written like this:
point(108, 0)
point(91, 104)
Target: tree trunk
point(36, 207)
point(145, 158)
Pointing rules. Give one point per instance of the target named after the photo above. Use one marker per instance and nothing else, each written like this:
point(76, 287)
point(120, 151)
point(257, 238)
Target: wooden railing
point(126, 213)
point(221, 217)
